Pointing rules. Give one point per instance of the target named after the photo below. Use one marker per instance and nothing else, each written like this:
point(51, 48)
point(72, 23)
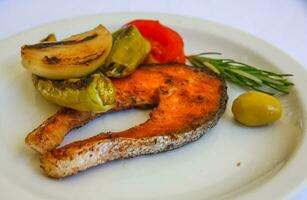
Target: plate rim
point(296, 161)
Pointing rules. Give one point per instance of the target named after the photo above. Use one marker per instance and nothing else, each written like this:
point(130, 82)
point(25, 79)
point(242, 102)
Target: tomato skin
point(167, 44)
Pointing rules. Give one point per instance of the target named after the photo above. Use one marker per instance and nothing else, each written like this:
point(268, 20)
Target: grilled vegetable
point(94, 92)
point(129, 51)
point(167, 44)
point(73, 57)
point(256, 109)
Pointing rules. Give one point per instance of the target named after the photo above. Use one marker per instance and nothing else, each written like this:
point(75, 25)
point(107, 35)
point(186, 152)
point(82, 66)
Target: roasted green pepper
point(129, 50)
point(93, 93)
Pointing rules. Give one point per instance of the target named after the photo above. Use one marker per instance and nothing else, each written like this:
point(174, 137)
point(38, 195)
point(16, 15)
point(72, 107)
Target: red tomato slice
point(167, 45)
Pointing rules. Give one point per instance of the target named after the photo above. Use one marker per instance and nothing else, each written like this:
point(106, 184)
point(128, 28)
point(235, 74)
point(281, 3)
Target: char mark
point(60, 43)
point(52, 60)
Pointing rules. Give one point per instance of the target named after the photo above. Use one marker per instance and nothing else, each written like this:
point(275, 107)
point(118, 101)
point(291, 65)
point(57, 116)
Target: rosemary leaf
point(243, 74)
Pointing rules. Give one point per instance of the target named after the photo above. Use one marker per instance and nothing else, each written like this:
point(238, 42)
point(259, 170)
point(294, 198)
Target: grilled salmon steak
point(186, 101)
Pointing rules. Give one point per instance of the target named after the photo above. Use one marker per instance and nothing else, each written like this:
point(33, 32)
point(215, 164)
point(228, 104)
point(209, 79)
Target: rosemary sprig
point(242, 74)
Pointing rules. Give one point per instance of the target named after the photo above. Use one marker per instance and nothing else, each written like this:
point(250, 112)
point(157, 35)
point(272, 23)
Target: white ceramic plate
point(272, 159)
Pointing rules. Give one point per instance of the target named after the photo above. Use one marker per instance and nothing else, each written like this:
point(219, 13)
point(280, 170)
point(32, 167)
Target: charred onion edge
point(60, 43)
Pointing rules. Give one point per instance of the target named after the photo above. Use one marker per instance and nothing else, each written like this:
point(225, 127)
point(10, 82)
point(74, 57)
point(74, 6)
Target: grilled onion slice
point(73, 57)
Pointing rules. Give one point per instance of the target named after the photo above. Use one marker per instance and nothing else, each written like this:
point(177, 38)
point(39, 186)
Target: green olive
point(93, 93)
point(129, 50)
point(256, 109)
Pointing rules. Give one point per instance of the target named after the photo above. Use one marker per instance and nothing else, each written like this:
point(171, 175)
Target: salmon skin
point(186, 101)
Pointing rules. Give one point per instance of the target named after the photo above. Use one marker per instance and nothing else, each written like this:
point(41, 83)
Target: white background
point(281, 23)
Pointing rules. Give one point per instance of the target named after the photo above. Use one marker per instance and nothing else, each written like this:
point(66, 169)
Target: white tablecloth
point(280, 22)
